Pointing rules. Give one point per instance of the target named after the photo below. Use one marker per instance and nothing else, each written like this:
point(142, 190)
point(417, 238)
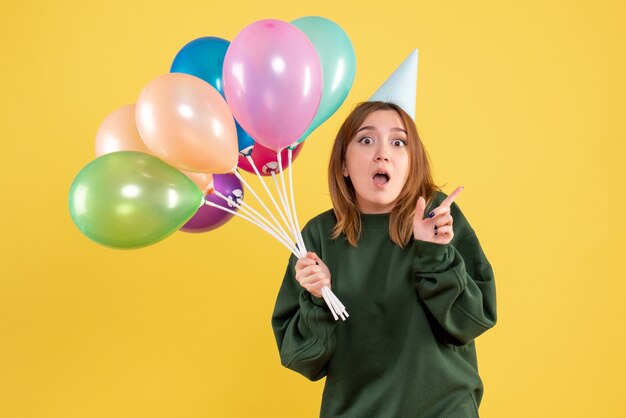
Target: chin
point(383, 201)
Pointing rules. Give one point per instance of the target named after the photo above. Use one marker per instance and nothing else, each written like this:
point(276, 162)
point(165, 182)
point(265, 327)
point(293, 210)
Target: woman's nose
point(382, 153)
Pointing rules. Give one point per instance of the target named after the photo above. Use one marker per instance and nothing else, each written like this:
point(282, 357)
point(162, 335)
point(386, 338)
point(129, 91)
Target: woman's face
point(377, 161)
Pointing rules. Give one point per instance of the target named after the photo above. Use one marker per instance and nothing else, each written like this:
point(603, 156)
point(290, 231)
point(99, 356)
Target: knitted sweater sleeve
point(303, 325)
point(455, 282)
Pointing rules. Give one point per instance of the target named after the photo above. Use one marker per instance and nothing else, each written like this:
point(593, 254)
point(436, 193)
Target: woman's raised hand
point(312, 274)
point(437, 227)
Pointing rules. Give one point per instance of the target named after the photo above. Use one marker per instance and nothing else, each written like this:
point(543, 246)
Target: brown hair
point(419, 181)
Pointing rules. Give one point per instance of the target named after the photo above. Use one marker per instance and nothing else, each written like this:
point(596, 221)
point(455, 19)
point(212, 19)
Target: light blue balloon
point(338, 61)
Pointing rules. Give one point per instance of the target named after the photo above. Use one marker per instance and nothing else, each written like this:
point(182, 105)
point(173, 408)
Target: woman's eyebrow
point(365, 128)
point(373, 129)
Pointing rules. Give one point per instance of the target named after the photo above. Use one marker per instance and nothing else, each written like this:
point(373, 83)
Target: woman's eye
point(399, 143)
point(366, 140)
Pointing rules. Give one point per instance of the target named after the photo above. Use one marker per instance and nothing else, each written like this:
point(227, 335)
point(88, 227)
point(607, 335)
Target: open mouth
point(380, 178)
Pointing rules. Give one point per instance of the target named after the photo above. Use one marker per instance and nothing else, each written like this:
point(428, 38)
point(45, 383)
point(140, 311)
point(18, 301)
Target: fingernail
point(431, 214)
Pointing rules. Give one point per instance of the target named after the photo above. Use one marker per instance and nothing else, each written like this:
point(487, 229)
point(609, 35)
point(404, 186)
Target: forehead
point(383, 120)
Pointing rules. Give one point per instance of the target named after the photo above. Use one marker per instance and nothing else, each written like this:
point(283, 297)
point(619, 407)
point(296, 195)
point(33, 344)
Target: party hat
point(401, 87)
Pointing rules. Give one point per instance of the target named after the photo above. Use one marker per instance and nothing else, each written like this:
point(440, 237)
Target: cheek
point(354, 162)
point(406, 168)
point(403, 161)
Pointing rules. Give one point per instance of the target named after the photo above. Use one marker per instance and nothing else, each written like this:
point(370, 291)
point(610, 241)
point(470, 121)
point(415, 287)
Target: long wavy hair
point(419, 181)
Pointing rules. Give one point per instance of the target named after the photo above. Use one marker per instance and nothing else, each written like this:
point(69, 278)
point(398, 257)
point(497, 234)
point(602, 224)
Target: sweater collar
point(374, 220)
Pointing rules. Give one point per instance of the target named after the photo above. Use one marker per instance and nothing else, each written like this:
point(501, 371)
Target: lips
point(381, 177)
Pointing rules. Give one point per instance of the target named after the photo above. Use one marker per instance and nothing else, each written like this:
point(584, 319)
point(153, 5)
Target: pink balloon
point(266, 160)
point(185, 122)
point(273, 82)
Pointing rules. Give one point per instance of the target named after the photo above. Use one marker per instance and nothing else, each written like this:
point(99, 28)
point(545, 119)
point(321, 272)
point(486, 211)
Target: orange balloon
point(118, 132)
point(184, 121)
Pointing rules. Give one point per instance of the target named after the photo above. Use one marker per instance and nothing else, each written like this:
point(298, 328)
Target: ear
point(344, 170)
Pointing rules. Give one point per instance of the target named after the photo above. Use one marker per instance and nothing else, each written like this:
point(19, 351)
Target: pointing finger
point(448, 200)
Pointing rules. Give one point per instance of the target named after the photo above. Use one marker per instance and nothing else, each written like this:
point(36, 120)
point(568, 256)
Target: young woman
point(408, 267)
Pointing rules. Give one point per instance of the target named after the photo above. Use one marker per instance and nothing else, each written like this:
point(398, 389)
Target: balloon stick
point(252, 213)
point(299, 239)
point(269, 231)
point(259, 199)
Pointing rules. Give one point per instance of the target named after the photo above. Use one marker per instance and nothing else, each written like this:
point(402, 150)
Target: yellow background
point(522, 102)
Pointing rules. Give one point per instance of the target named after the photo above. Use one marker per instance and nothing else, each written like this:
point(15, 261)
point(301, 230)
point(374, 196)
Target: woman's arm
point(303, 326)
point(456, 283)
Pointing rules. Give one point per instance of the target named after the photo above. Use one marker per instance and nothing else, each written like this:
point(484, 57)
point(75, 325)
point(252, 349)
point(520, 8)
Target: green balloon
point(130, 199)
point(338, 61)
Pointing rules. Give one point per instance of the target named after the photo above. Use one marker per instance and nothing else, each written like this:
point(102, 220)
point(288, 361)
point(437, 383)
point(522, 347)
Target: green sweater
point(407, 349)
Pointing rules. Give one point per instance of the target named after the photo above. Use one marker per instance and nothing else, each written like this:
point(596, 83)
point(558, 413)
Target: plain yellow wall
point(522, 102)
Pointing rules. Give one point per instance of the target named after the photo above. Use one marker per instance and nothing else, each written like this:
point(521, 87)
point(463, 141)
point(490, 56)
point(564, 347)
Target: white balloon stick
point(299, 238)
point(271, 196)
point(335, 308)
point(291, 225)
point(329, 304)
point(289, 196)
point(282, 230)
point(299, 250)
point(250, 211)
point(244, 211)
point(259, 199)
point(269, 231)
point(341, 307)
point(283, 198)
point(334, 304)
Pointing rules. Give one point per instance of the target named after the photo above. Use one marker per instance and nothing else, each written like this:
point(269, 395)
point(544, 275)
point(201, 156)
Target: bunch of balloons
point(169, 161)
